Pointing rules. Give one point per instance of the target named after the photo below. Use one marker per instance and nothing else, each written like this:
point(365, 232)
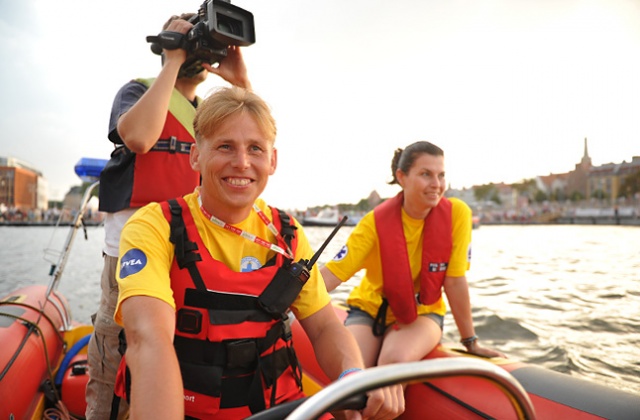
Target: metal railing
point(382, 376)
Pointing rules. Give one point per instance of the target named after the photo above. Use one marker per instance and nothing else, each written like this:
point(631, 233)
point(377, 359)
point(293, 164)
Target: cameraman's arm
point(232, 68)
point(141, 126)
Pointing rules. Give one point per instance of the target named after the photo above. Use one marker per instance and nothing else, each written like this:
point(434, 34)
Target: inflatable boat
point(44, 367)
point(42, 357)
point(43, 371)
point(467, 395)
point(43, 362)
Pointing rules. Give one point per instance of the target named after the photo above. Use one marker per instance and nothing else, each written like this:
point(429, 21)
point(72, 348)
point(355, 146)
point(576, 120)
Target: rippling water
point(565, 297)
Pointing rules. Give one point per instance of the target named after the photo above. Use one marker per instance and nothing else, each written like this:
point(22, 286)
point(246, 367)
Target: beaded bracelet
point(469, 340)
point(348, 371)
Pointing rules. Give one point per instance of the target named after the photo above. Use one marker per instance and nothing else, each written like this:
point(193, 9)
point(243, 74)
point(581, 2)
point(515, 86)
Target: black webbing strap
point(380, 322)
point(220, 301)
point(236, 367)
point(172, 145)
point(458, 401)
point(115, 406)
point(185, 250)
point(287, 230)
point(215, 353)
point(115, 401)
point(256, 394)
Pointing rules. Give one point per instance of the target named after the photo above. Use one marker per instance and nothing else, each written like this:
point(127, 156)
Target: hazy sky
point(508, 88)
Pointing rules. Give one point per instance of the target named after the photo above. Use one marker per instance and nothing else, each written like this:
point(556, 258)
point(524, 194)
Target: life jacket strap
point(243, 352)
point(185, 250)
point(288, 230)
point(172, 145)
point(380, 322)
point(235, 366)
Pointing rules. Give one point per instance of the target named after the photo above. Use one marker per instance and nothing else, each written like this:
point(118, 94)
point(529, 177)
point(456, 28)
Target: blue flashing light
point(88, 169)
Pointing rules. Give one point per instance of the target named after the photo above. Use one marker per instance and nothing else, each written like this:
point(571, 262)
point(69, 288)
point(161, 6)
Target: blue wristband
point(348, 371)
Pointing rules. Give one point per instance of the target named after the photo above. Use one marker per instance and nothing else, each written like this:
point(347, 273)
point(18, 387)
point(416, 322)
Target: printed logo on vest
point(132, 262)
point(341, 254)
point(435, 267)
point(248, 264)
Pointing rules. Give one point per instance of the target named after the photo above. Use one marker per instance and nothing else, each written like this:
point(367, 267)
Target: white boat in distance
point(331, 217)
point(328, 217)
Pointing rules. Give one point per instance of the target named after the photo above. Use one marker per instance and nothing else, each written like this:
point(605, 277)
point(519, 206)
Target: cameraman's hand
point(179, 55)
point(232, 68)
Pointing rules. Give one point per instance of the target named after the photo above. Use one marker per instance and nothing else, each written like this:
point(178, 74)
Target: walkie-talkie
point(301, 269)
point(288, 281)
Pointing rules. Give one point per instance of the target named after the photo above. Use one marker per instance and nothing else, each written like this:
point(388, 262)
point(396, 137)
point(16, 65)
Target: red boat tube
point(32, 346)
point(553, 394)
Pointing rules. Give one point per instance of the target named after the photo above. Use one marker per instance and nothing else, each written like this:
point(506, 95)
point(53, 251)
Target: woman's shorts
point(356, 316)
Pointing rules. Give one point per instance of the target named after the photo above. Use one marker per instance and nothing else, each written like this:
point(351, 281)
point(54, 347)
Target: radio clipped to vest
point(290, 279)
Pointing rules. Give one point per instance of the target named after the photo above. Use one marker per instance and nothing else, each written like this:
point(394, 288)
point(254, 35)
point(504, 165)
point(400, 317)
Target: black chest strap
point(185, 250)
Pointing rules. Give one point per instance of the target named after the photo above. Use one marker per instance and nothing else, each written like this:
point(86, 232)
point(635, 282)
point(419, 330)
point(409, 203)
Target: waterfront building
point(22, 186)
point(606, 181)
point(569, 185)
point(587, 181)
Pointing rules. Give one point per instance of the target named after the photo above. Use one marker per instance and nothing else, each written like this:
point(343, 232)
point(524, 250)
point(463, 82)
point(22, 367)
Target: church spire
point(586, 160)
point(586, 150)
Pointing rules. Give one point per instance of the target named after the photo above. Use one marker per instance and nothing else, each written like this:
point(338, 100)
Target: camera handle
point(167, 40)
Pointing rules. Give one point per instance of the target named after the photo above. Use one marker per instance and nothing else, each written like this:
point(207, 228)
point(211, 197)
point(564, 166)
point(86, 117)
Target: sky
point(508, 88)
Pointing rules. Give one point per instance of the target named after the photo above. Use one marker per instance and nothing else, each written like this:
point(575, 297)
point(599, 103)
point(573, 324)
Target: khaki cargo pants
point(103, 354)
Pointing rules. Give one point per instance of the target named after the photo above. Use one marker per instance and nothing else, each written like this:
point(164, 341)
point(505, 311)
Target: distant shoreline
point(45, 224)
point(558, 221)
point(567, 221)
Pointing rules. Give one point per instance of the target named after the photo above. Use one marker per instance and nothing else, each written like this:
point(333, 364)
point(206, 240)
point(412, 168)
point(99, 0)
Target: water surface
point(565, 297)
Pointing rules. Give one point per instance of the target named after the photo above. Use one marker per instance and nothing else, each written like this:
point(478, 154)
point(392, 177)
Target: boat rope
point(458, 401)
point(61, 412)
point(44, 344)
point(36, 309)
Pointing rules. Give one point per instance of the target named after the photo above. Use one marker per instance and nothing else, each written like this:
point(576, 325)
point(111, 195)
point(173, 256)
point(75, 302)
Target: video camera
point(217, 25)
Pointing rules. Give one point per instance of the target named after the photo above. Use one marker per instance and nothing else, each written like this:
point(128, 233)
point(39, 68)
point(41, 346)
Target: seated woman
point(411, 246)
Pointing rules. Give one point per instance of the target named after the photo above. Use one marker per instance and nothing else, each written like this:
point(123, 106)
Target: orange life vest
point(396, 270)
point(233, 344)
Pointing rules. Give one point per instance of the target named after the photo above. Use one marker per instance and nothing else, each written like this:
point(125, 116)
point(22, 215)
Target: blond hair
point(224, 103)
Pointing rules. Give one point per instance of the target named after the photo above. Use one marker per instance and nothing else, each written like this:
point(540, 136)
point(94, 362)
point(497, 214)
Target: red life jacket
point(131, 180)
point(396, 270)
point(233, 345)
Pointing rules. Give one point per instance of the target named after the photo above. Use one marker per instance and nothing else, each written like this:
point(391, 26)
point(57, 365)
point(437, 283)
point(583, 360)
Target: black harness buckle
point(241, 353)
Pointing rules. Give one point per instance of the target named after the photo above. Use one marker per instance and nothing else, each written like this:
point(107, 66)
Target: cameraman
point(151, 126)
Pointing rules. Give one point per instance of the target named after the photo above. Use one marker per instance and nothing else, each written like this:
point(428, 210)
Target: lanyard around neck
point(250, 236)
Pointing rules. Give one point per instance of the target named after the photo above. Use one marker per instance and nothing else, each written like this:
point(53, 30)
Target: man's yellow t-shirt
point(362, 251)
point(146, 235)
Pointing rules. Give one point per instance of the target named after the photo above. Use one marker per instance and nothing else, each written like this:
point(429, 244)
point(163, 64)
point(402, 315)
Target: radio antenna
point(315, 257)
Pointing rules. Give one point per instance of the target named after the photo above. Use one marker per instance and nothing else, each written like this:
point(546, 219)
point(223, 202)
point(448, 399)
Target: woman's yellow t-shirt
point(362, 251)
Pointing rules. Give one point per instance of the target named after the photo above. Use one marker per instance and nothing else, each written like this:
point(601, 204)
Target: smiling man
point(206, 334)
